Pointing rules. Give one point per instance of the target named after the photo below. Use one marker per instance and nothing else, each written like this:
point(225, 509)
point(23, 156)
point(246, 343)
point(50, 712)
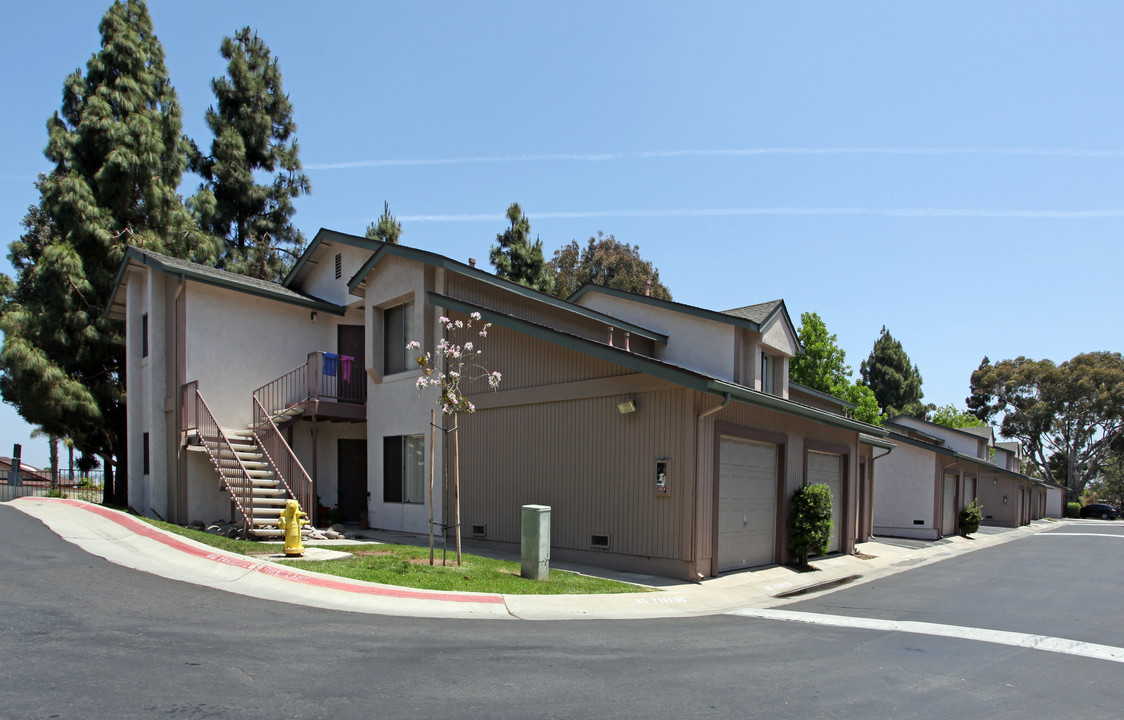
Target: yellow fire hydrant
point(291, 521)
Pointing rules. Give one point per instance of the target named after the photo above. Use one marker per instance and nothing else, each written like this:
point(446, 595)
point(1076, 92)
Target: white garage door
point(828, 469)
point(948, 517)
point(747, 497)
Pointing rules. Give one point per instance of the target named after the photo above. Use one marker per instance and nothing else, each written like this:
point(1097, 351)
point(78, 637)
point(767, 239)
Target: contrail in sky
point(720, 212)
point(733, 152)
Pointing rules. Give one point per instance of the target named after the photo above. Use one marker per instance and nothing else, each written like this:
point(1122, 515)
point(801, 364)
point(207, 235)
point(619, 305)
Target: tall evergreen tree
point(518, 259)
point(895, 381)
point(387, 229)
point(253, 127)
point(118, 153)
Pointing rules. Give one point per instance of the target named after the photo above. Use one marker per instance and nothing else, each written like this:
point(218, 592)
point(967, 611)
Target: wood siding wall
point(593, 466)
point(527, 362)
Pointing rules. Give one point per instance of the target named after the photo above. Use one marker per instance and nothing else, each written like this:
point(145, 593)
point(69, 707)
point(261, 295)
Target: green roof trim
point(431, 258)
point(752, 317)
point(656, 368)
point(211, 276)
point(821, 395)
point(865, 439)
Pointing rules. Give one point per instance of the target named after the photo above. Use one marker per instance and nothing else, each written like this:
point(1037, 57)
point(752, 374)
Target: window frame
point(398, 486)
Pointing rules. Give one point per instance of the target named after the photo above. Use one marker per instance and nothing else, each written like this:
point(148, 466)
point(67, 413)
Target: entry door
point(828, 469)
point(948, 516)
point(351, 469)
point(747, 501)
point(352, 380)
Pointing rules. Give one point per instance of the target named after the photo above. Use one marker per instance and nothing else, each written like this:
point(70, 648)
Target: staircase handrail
point(272, 442)
point(215, 440)
point(286, 391)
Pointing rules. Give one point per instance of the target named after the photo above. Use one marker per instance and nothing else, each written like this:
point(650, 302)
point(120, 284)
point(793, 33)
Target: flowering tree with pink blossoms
point(452, 364)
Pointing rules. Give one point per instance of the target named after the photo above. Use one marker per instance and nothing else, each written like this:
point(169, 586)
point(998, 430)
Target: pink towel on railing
point(345, 366)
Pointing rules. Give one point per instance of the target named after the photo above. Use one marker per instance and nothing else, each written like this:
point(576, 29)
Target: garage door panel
point(747, 503)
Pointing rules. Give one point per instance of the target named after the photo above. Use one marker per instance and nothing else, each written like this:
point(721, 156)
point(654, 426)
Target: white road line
point(999, 637)
point(1053, 534)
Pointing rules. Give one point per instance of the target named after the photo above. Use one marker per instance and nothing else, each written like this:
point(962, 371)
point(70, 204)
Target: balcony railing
point(324, 376)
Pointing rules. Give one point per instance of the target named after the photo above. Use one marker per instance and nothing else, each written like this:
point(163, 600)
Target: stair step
point(259, 532)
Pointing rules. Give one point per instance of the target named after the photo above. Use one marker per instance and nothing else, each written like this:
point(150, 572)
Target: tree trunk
point(457, 487)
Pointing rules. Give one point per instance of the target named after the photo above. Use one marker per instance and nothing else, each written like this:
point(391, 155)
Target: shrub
point(971, 515)
point(56, 494)
point(809, 525)
point(1073, 510)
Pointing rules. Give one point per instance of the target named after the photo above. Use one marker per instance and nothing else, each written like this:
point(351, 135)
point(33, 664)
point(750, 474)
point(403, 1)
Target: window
point(144, 454)
point(767, 371)
point(144, 335)
point(403, 469)
point(398, 329)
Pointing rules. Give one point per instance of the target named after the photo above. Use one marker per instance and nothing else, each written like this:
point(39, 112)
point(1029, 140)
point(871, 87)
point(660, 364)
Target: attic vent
point(918, 522)
point(479, 531)
point(339, 266)
point(599, 541)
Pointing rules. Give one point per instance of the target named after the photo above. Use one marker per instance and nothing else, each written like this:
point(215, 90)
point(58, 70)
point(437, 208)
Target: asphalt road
point(86, 639)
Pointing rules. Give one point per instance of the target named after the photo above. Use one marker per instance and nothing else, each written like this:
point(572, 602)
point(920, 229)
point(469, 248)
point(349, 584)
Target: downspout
point(873, 458)
point(695, 494)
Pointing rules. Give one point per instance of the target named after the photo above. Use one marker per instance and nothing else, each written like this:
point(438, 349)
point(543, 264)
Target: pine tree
point(895, 381)
point(118, 153)
point(518, 259)
point(253, 127)
point(387, 229)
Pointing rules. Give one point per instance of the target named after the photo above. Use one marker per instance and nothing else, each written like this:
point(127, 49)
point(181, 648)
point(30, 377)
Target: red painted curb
point(148, 531)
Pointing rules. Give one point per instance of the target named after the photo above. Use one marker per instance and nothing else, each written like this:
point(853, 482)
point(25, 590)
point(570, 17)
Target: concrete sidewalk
point(125, 540)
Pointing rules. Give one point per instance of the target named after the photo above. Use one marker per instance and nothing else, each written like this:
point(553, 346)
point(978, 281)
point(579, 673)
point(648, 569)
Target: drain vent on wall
point(479, 531)
point(600, 542)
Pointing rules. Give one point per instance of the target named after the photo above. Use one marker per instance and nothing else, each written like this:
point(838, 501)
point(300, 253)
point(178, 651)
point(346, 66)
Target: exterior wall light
point(626, 407)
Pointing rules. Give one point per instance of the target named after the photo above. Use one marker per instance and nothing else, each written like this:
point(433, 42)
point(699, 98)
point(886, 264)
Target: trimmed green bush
point(971, 515)
point(1073, 510)
point(809, 524)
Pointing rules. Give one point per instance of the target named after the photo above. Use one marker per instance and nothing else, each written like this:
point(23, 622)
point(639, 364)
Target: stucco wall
point(327, 433)
point(320, 280)
point(905, 492)
point(394, 406)
point(693, 342)
point(238, 342)
point(992, 489)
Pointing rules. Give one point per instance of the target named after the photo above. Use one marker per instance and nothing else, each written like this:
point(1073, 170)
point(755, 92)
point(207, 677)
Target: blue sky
point(952, 170)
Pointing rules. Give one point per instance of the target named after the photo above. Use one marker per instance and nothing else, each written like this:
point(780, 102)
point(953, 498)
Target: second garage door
point(828, 469)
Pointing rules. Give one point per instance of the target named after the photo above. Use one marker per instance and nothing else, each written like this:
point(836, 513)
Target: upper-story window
point(144, 335)
point(398, 329)
point(768, 373)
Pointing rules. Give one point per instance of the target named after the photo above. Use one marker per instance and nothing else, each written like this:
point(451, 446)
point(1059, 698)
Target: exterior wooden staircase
point(256, 466)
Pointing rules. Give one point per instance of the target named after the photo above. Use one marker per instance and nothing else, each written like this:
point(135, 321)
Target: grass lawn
point(408, 566)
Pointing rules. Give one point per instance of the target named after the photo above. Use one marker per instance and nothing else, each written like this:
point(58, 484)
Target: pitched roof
point(758, 313)
point(662, 369)
point(753, 317)
point(355, 284)
point(115, 307)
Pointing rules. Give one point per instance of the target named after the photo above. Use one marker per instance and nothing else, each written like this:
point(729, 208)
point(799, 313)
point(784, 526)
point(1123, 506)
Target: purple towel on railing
point(345, 366)
point(330, 362)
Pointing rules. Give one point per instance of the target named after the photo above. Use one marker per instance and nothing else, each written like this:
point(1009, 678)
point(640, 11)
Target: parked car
point(1099, 510)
